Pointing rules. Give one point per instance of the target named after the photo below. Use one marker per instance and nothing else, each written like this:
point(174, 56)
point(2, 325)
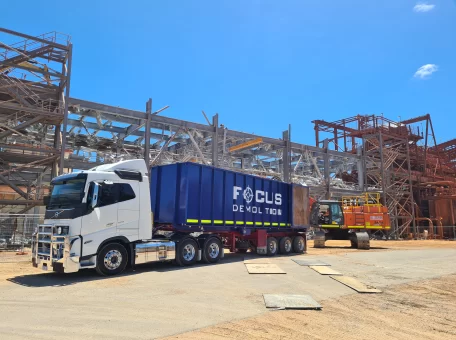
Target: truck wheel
point(298, 244)
point(285, 245)
point(212, 251)
point(273, 246)
point(187, 252)
point(112, 259)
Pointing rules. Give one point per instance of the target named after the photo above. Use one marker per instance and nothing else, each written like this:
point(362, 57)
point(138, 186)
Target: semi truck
point(118, 215)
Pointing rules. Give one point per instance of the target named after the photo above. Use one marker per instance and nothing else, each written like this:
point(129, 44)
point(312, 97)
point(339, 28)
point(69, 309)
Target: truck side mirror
point(46, 200)
point(95, 195)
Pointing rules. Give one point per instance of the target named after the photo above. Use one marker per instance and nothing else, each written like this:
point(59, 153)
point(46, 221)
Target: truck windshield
point(67, 193)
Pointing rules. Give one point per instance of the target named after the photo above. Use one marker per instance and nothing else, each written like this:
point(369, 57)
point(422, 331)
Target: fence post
point(23, 234)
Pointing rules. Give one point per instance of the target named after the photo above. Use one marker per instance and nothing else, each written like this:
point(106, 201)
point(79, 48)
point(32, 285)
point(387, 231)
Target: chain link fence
point(16, 230)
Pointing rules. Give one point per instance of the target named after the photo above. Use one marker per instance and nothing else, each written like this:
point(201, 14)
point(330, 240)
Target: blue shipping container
point(185, 195)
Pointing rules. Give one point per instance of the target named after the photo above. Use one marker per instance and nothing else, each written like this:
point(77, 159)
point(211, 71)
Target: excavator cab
point(330, 214)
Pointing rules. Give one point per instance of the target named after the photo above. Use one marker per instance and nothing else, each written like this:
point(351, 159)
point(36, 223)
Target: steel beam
point(50, 115)
point(215, 124)
point(21, 126)
point(30, 37)
point(66, 99)
point(23, 56)
point(286, 157)
point(326, 170)
point(21, 202)
point(147, 133)
point(13, 186)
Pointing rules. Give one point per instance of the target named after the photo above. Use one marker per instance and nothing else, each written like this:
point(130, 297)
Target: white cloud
point(426, 70)
point(423, 7)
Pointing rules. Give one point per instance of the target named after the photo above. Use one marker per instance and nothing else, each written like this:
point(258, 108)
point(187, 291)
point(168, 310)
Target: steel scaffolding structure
point(416, 175)
point(34, 91)
point(44, 132)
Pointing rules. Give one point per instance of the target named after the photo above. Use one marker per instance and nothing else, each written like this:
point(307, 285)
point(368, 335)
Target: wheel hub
point(214, 250)
point(189, 252)
point(112, 259)
point(272, 246)
point(288, 246)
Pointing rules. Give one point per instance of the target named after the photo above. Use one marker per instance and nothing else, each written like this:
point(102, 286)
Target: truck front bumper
point(51, 251)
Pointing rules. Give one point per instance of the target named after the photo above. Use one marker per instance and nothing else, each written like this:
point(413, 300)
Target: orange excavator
point(352, 219)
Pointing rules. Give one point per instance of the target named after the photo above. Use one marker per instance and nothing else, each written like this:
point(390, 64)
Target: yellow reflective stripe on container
point(249, 223)
point(283, 224)
point(206, 221)
point(192, 221)
point(356, 227)
point(218, 222)
point(239, 222)
point(275, 224)
point(229, 222)
point(267, 223)
point(258, 223)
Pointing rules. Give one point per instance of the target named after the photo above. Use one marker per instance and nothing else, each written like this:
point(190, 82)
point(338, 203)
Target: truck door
point(128, 209)
point(101, 222)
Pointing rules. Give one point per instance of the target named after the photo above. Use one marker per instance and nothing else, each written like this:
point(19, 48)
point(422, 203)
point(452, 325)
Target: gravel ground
point(420, 310)
point(224, 302)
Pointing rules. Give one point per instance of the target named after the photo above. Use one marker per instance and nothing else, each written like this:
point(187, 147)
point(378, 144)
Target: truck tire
point(212, 251)
point(298, 244)
point(273, 246)
point(187, 252)
point(285, 245)
point(112, 259)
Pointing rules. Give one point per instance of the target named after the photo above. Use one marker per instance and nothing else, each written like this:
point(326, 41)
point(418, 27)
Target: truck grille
point(48, 245)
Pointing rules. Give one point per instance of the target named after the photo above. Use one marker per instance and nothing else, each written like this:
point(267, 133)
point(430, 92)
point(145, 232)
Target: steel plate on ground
point(290, 301)
point(324, 270)
point(257, 261)
point(310, 262)
point(355, 284)
point(264, 269)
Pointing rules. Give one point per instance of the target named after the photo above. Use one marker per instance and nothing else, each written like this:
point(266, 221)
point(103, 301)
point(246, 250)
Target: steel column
point(147, 133)
point(215, 138)
point(65, 113)
point(326, 172)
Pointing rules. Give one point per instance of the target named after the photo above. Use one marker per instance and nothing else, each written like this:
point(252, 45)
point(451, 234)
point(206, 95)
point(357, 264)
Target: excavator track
point(319, 239)
point(360, 240)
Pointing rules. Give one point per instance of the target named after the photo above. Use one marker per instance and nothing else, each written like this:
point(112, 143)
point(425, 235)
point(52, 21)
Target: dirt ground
point(421, 310)
point(418, 309)
point(337, 247)
point(10, 263)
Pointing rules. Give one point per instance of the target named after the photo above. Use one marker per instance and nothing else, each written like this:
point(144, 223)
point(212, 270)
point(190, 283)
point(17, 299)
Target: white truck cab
point(107, 205)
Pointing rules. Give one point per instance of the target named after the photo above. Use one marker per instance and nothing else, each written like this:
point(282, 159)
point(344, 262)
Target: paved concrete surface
point(159, 299)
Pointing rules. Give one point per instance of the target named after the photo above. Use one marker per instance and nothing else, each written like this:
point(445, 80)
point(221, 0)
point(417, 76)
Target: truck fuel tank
point(155, 251)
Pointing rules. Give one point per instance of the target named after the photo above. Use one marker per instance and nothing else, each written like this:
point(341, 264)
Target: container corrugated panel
point(186, 194)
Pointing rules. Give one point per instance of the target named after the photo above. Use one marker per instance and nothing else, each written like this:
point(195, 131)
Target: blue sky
point(260, 64)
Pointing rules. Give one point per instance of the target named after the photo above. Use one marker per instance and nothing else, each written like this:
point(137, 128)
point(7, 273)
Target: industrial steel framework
point(403, 161)
point(45, 132)
point(34, 91)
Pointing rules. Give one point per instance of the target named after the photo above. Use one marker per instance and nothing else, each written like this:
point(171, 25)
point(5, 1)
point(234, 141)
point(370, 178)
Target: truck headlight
point(63, 230)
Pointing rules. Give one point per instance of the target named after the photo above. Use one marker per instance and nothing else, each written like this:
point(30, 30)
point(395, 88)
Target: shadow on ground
point(53, 279)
